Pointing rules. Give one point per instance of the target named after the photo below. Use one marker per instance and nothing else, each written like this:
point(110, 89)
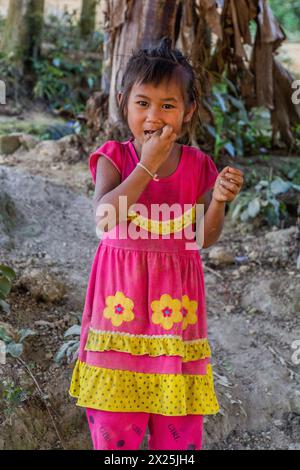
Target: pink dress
point(144, 345)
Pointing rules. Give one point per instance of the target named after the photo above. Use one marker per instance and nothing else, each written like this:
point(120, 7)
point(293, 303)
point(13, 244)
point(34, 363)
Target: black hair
point(155, 65)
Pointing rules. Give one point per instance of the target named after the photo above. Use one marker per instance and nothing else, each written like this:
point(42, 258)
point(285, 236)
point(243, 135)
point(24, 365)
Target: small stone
point(244, 269)
point(43, 323)
point(28, 141)
point(42, 285)
point(220, 256)
point(9, 143)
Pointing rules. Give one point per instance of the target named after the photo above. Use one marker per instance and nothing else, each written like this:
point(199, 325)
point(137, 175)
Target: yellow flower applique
point(119, 308)
point(166, 311)
point(188, 310)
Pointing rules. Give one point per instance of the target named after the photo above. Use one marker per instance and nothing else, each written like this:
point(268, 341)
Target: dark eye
point(142, 103)
point(169, 105)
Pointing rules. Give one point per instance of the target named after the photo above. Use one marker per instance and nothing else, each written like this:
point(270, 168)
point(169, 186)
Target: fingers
point(232, 172)
point(231, 187)
point(232, 175)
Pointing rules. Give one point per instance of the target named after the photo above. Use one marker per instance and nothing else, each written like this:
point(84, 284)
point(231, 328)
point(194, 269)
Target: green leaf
point(221, 102)
point(5, 286)
point(244, 215)
point(90, 81)
point(14, 349)
point(236, 211)
point(278, 186)
point(56, 61)
point(211, 130)
point(8, 272)
point(4, 336)
point(296, 186)
point(230, 149)
point(254, 207)
point(63, 349)
point(73, 330)
point(4, 306)
point(24, 332)
point(261, 184)
point(236, 102)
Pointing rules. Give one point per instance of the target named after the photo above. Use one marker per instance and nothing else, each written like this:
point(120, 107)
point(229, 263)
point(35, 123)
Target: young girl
point(144, 356)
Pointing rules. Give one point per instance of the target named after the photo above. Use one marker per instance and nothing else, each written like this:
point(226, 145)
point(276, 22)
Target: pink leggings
point(125, 431)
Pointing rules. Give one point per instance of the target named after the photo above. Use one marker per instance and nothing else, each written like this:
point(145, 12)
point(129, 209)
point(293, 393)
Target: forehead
point(170, 89)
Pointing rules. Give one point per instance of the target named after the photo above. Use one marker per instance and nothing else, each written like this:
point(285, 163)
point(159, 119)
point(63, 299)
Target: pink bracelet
point(154, 176)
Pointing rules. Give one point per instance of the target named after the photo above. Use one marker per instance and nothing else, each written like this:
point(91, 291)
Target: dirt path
point(253, 310)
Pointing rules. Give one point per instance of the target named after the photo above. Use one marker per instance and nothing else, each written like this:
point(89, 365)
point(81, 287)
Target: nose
point(153, 115)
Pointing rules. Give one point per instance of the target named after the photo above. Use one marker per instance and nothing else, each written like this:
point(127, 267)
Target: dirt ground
point(253, 309)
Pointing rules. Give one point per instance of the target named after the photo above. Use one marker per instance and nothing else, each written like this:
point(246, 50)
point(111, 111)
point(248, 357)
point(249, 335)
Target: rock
point(274, 296)
point(28, 141)
point(47, 150)
point(42, 285)
point(70, 150)
point(8, 218)
point(280, 238)
point(220, 256)
point(43, 323)
point(9, 143)
point(295, 404)
point(294, 446)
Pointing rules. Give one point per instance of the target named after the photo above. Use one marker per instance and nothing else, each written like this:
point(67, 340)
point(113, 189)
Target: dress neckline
point(163, 178)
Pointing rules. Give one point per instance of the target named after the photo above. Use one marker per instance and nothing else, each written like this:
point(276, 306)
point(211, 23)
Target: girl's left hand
point(228, 184)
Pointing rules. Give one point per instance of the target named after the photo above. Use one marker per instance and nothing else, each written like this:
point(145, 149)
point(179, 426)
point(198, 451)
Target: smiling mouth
point(150, 131)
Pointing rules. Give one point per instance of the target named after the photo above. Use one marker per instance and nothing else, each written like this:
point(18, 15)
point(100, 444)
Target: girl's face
point(149, 108)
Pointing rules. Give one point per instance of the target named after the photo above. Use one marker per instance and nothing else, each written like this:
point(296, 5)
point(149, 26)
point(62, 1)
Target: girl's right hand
point(156, 150)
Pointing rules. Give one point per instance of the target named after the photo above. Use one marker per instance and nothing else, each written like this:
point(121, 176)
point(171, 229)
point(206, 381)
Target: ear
point(189, 114)
point(119, 97)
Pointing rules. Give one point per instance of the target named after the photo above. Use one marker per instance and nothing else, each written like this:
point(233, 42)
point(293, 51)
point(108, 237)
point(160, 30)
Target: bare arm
point(214, 212)
point(109, 188)
point(227, 186)
point(108, 182)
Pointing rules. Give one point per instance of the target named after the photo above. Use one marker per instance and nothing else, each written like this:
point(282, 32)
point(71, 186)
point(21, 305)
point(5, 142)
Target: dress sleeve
point(110, 150)
point(207, 175)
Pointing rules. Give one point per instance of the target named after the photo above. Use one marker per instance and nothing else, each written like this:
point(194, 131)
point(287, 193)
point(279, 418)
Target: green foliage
point(15, 348)
point(69, 348)
point(11, 74)
point(6, 277)
point(235, 131)
point(12, 396)
point(288, 15)
point(67, 76)
point(262, 202)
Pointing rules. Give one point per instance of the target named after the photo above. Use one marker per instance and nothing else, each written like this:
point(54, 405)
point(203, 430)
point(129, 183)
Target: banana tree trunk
point(133, 24)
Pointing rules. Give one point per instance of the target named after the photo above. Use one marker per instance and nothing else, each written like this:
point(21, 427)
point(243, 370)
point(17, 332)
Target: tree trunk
point(23, 31)
point(146, 22)
point(87, 17)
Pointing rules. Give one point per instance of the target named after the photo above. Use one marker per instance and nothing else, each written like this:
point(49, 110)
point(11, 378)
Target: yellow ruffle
point(152, 346)
point(123, 390)
point(163, 227)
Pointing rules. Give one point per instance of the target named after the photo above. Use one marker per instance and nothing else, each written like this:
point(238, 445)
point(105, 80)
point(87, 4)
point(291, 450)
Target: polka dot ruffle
point(122, 390)
point(152, 346)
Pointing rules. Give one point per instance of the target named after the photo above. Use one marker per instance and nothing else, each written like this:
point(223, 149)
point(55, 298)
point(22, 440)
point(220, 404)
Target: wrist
point(217, 202)
point(142, 171)
point(150, 167)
